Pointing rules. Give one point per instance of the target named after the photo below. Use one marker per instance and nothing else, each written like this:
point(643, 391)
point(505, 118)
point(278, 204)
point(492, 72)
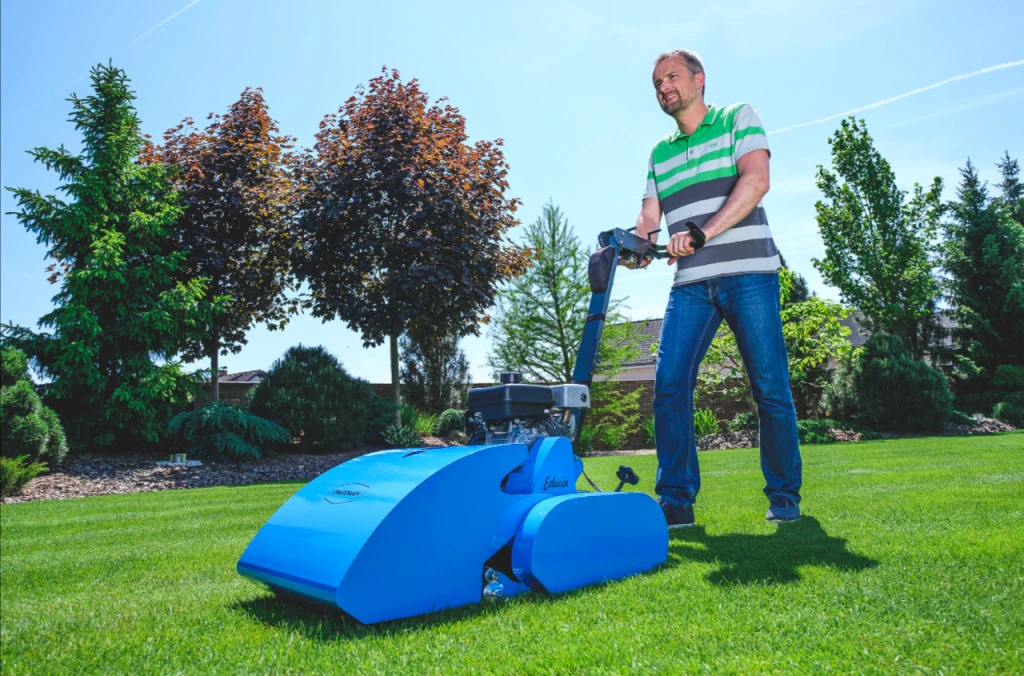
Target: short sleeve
point(652, 188)
point(747, 132)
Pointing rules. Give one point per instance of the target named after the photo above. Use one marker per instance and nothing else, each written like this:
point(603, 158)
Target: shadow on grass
point(765, 559)
point(328, 623)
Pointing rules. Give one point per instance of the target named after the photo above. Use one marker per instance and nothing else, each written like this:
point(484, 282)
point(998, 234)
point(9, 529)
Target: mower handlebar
point(633, 249)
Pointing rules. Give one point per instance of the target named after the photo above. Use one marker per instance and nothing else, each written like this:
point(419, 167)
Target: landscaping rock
point(460, 438)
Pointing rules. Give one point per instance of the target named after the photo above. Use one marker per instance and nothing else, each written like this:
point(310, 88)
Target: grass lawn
point(910, 557)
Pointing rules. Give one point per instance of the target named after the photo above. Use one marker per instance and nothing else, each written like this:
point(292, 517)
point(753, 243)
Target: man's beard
point(673, 107)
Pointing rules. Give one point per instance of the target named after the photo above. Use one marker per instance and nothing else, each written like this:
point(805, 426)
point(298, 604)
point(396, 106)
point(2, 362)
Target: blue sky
point(567, 86)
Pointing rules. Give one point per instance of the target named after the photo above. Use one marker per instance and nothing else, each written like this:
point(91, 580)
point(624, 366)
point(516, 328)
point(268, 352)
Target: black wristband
point(698, 235)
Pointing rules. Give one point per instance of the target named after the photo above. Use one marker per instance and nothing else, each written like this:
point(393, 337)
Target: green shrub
point(13, 366)
point(424, 424)
point(705, 422)
point(1009, 413)
point(451, 420)
point(221, 432)
point(1009, 377)
point(612, 436)
point(380, 413)
point(402, 437)
point(647, 424)
point(743, 421)
point(310, 394)
point(16, 472)
point(896, 393)
point(409, 414)
point(839, 399)
point(961, 418)
point(816, 431)
point(28, 428)
point(588, 436)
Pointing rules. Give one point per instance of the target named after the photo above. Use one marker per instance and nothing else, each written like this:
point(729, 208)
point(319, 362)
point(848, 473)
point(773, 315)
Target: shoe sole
point(681, 525)
point(782, 520)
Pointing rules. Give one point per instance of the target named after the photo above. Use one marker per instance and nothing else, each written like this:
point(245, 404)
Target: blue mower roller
point(405, 532)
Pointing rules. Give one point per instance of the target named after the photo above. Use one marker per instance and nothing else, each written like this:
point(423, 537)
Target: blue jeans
point(750, 306)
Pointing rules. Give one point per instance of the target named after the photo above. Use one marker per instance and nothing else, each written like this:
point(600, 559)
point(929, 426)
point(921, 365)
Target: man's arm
point(648, 220)
point(751, 186)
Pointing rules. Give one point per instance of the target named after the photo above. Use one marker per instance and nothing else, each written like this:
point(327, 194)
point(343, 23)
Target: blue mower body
point(401, 533)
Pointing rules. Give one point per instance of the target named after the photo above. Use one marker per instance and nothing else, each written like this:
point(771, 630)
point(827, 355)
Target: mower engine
point(513, 412)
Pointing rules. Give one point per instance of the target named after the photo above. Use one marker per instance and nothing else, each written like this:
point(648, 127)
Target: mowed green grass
point(910, 557)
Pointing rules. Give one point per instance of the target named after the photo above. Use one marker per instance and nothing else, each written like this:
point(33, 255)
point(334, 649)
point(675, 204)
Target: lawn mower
point(406, 532)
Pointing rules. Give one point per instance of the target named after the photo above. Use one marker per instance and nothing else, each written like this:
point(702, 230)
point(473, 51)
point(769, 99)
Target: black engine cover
point(505, 402)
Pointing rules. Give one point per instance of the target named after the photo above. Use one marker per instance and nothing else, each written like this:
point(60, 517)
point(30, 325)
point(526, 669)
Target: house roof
point(248, 377)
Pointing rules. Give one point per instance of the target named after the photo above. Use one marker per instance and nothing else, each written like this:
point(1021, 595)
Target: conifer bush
point(221, 432)
point(894, 392)
point(309, 393)
point(27, 427)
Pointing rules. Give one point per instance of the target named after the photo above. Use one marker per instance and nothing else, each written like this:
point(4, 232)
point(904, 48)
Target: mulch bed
point(84, 475)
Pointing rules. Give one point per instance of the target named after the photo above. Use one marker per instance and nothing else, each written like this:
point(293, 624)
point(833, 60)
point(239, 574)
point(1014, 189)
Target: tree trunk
point(396, 393)
point(215, 372)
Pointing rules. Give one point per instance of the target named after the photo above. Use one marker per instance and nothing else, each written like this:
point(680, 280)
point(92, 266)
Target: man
point(713, 171)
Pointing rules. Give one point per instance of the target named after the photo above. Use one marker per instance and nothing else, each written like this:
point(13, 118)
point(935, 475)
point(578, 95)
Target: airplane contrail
point(957, 78)
point(82, 77)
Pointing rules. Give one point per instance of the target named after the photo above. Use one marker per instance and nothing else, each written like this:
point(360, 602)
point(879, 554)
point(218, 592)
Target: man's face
point(675, 87)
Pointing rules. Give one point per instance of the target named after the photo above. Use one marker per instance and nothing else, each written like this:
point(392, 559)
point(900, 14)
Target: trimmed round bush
point(309, 393)
point(893, 392)
point(452, 420)
point(221, 432)
point(27, 428)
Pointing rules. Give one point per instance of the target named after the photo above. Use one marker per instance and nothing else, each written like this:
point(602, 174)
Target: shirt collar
point(706, 122)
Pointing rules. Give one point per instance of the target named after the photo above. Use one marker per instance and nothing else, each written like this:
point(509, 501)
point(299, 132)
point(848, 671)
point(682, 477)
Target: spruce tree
point(984, 259)
point(120, 317)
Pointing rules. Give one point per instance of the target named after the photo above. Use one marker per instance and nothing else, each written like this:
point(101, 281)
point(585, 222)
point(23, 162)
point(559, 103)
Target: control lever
point(626, 475)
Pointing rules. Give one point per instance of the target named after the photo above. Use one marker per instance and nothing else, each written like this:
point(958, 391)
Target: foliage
point(840, 398)
point(588, 436)
point(814, 336)
point(743, 421)
point(434, 372)
point(308, 392)
point(647, 425)
point(236, 182)
point(29, 428)
point(16, 472)
point(894, 392)
point(817, 431)
point(799, 291)
point(539, 324)
point(412, 218)
point(1010, 413)
point(221, 432)
point(877, 242)
point(452, 420)
point(124, 310)
point(540, 315)
point(425, 424)
point(402, 436)
point(13, 366)
point(984, 261)
point(380, 412)
point(705, 422)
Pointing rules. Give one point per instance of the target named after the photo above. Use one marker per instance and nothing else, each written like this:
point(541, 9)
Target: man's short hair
point(693, 63)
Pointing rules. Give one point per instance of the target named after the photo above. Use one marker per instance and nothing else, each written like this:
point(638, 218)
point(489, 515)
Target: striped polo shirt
point(693, 175)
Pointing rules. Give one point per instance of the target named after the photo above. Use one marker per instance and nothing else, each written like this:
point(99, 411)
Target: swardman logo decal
point(345, 493)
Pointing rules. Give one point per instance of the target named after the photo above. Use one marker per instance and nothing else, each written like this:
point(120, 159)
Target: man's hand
point(680, 245)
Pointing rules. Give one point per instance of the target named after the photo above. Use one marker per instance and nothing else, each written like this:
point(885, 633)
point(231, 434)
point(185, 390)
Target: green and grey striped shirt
point(692, 177)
